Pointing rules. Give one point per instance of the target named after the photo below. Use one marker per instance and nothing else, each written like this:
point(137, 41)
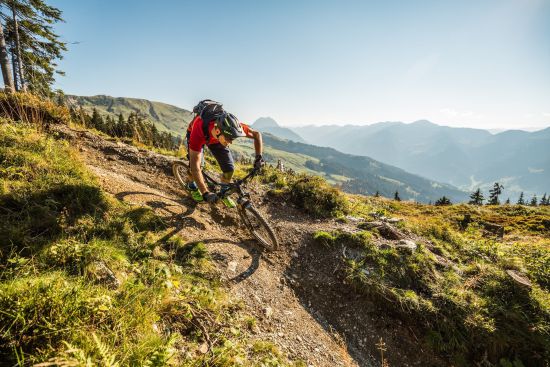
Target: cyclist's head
point(230, 127)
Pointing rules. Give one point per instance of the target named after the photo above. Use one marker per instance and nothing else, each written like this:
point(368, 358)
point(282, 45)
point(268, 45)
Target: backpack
point(208, 110)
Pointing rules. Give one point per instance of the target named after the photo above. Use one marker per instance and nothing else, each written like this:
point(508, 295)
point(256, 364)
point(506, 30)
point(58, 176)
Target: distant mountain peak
point(265, 122)
point(423, 123)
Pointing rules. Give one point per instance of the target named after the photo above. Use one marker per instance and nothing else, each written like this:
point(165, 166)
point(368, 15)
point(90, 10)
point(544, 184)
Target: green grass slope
point(85, 279)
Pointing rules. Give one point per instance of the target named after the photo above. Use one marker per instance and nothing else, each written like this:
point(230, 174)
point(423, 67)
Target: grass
point(468, 308)
point(85, 279)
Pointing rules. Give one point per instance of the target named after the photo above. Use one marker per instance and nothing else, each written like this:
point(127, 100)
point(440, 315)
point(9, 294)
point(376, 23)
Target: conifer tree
point(476, 198)
point(494, 194)
point(377, 194)
point(507, 201)
point(396, 196)
point(521, 201)
point(97, 120)
point(33, 44)
point(443, 201)
point(543, 200)
point(533, 201)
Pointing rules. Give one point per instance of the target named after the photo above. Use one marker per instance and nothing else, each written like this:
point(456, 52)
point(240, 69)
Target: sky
point(463, 63)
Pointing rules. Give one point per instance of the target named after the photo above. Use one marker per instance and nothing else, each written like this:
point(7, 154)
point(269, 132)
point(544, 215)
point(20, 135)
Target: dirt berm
point(298, 293)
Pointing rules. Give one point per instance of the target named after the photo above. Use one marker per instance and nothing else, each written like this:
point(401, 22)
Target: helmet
point(230, 126)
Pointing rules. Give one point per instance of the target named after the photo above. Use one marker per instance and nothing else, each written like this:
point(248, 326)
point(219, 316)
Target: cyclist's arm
point(257, 136)
point(195, 167)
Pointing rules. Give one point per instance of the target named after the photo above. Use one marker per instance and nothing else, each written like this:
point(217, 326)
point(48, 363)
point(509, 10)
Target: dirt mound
point(296, 293)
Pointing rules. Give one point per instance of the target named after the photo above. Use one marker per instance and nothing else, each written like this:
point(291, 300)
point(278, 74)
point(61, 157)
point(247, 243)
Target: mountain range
point(269, 125)
point(464, 157)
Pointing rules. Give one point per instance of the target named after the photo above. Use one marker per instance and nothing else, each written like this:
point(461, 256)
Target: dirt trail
point(296, 293)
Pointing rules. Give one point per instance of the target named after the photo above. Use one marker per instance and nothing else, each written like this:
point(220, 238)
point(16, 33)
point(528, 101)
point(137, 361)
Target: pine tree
point(543, 200)
point(97, 121)
point(476, 198)
point(33, 44)
point(521, 201)
point(494, 194)
point(507, 201)
point(443, 201)
point(377, 194)
point(533, 201)
point(396, 196)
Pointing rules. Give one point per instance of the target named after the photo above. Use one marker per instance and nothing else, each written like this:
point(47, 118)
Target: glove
point(210, 197)
point(259, 162)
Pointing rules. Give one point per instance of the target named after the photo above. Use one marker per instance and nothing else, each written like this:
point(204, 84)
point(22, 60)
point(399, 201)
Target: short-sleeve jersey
point(197, 138)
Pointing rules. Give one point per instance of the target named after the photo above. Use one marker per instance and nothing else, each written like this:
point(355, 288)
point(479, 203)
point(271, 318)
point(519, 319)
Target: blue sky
point(483, 63)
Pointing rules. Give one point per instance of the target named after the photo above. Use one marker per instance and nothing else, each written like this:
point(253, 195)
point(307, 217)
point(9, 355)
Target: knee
point(227, 175)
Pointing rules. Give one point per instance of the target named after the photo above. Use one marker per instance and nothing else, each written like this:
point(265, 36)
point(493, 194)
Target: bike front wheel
point(259, 227)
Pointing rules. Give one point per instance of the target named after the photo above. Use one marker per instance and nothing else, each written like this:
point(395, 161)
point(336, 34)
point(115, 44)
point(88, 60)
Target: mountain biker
point(221, 133)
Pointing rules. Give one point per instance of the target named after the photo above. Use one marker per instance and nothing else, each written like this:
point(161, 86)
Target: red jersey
point(197, 138)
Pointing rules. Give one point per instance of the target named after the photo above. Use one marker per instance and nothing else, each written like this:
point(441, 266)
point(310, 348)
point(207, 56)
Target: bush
point(318, 198)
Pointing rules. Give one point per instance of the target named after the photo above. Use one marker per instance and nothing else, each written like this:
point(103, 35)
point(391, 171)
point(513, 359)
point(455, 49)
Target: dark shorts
point(222, 154)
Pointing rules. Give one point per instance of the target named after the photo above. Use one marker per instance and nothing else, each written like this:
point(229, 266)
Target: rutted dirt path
point(295, 295)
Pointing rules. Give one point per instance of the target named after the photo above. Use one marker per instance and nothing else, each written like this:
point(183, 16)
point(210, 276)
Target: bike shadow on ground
point(177, 221)
point(248, 245)
point(173, 219)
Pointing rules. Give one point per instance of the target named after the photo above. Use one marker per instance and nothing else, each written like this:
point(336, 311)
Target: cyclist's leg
point(191, 185)
point(225, 160)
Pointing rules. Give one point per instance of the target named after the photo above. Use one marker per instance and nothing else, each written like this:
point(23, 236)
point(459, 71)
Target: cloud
point(546, 114)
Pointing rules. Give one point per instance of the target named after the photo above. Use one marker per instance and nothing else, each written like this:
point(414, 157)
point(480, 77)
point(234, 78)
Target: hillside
point(354, 174)
point(466, 158)
point(166, 117)
point(98, 228)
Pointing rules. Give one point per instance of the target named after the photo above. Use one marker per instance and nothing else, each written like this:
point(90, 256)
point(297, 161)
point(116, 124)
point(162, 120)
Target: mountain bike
point(252, 219)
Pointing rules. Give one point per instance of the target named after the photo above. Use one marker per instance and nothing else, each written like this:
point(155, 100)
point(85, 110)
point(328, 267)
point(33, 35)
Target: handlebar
point(252, 173)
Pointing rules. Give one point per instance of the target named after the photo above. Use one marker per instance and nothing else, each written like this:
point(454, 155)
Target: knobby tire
point(259, 227)
point(254, 221)
point(180, 169)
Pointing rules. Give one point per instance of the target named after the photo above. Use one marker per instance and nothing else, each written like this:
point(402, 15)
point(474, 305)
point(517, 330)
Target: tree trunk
point(5, 63)
point(18, 51)
point(14, 70)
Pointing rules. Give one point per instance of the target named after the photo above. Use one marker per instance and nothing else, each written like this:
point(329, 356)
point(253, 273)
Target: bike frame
point(235, 187)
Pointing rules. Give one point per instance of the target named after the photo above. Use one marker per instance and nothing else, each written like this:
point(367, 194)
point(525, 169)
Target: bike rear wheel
point(180, 170)
point(259, 227)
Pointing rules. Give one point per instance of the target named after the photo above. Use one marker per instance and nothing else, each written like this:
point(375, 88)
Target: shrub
point(318, 198)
